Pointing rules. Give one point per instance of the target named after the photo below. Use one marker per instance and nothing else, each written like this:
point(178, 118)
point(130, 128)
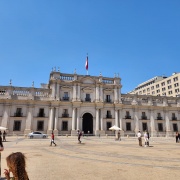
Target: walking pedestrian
point(79, 136)
point(139, 138)
point(146, 139)
point(52, 139)
point(119, 136)
point(4, 136)
point(177, 137)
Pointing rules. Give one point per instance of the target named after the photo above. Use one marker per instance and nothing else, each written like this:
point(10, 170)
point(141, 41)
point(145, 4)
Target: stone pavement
point(96, 158)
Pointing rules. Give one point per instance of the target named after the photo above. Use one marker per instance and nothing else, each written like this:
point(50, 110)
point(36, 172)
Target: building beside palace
point(160, 86)
point(89, 103)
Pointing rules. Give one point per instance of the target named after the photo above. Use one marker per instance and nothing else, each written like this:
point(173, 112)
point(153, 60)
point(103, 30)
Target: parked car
point(37, 135)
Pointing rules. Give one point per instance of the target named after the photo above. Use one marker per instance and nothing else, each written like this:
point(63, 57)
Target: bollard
point(107, 135)
point(127, 136)
point(66, 135)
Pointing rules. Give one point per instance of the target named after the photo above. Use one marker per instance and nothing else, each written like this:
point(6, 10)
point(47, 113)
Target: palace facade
point(89, 103)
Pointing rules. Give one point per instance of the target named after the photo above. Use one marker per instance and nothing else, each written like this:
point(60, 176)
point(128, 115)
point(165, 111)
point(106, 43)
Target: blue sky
point(138, 39)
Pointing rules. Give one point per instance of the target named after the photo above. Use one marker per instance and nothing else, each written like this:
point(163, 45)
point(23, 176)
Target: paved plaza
point(96, 158)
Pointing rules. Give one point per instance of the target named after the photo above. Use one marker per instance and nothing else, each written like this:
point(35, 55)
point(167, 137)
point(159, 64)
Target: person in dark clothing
point(177, 137)
point(148, 138)
point(79, 136)
point(4, 136)
point(52, 139)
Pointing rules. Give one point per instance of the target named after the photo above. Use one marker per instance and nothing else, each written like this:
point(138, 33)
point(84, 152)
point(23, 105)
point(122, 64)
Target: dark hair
point(17, 164)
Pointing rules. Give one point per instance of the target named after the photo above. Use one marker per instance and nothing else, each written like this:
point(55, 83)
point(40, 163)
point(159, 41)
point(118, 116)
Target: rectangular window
point(169, 82)
point(108, 98)
point(87, 97)
point(152, 88)
point(175, 127)
point(41, 112)
point(64, 126)
point(128, 126)
point(148, 89)
point(17, 126)
point(176, 90)
point(170, 92)
point(176, 85)
point(163, 84)
point(160, 126)
point(108, 115)
point(163, 89)
point(18, 112)
point(153, 92)
point(169, 87)
point(108, 125)
point(175, 79)
point(65, 113)
point(144, 126)
point(157, 86)
point(40, 126)
point(66, 97)
point(158, 91)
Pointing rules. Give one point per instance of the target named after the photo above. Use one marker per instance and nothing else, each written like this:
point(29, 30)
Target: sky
point(139, 39)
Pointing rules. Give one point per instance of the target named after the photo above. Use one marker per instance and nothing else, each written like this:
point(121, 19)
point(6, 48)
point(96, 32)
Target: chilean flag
point(86, 64)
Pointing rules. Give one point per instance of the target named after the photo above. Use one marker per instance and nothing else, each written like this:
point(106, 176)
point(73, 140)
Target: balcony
point(40, 115)
point(144, 117)
point(19, 114)
point(127, 117)
point(108, 100)
point(108, 116)
point(159, 118)
point(88, 99)
point(65, 115)
point(65, 98)
point(174, 118)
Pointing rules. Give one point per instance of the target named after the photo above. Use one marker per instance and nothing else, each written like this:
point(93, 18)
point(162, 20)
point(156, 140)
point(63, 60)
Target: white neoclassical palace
point(89, 103)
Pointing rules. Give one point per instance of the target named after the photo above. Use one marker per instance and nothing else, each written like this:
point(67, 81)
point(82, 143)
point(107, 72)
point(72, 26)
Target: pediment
point(87, 90)
point(66, 88)
point(108, 90)
point(88, 81)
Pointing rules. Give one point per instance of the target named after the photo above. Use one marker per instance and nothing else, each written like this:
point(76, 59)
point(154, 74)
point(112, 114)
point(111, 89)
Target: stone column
point(78, 93)
point(167, 122)
point(97, 132)
point(29, 120)
point(53, 91)
point(57, 92)
point(97, 93)
point(73, 119)
point(116, 118)
point(120, 121)
point(5, 118)
point(51, 116)
point(115, 95)
point(136, 120)
point(74, 92)
point(56, 121)
point(78, 119)
point(102, 120)
point(101, 94)
point(152, 124)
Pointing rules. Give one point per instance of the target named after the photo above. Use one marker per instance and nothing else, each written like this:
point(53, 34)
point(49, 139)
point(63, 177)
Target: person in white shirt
point(139, 138)
point(146, 138)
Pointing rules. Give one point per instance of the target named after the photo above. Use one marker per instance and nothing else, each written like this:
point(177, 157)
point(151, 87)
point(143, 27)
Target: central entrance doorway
point(87, 123)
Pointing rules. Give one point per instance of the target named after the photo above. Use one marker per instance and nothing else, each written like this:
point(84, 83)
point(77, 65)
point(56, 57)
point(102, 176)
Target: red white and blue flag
point(86, 64)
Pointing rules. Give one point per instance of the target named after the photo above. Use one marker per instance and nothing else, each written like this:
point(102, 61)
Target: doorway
point(87, 123)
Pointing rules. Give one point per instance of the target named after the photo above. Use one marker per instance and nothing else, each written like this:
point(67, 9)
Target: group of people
point(146, 138)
